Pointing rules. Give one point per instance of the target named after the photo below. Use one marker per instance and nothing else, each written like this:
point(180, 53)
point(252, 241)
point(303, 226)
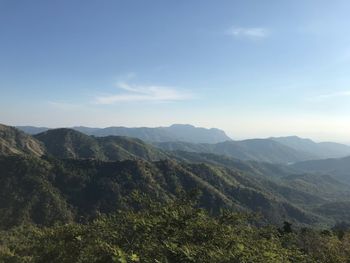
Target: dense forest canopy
point(69, 197)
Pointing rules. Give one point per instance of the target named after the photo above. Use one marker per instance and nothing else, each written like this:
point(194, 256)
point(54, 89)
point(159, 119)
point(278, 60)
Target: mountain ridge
point(263, 150)
point(91, 187)
point(321, 150)
point(69, 143)
point(186, 133)
point(339, 168)
point(80, 176)
point(175, 132)
point(13, 141)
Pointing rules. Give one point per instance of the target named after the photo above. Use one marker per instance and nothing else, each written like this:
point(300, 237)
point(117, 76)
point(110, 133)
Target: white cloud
point(63, 105)
point(138, 93)
point(248, 32)
point(338, 94)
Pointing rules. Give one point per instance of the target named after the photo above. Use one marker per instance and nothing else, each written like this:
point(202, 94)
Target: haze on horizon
point(253, 69)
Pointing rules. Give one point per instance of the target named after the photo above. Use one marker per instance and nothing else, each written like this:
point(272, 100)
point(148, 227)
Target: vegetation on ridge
point(78, 204)
point(176, 232)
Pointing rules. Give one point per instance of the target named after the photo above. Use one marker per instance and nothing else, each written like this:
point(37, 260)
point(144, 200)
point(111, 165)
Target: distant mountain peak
point(179, 125)
point(175, 132)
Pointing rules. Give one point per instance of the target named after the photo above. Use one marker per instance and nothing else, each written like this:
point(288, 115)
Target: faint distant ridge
point(319, 150)
point(175, 132)
point(32, 129)
point(262, 150)
point(339, 168)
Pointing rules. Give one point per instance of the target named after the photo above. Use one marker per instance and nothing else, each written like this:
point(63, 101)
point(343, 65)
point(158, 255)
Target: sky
point(252, 68)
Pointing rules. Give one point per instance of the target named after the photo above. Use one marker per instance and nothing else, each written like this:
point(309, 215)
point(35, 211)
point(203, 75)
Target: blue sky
point(253, 68)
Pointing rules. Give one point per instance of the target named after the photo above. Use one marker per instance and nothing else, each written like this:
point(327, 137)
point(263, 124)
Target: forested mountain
point(78, 162)
point(44, 191)
point(263, 150)
point(254, 168)
point(193, 139)
point(13, 141)
point(84, 187)
point(68, 143)
point(176, 132)
point(174, 232)
point(337, 167)
point(320, 150)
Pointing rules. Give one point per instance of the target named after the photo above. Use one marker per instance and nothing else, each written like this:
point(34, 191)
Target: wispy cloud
point(63, 105)
point(138, 93)
point(338, 94)
point(248, 32)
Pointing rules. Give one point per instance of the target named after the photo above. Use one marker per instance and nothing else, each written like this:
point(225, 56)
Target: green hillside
point(338, 168)
point(85, 175)
point(13, 141)
point(174, 232)
point(68, 143)
point(123, 148)
point(262, 150)
point(321, 150)
point(68, 190)
point(56, 203)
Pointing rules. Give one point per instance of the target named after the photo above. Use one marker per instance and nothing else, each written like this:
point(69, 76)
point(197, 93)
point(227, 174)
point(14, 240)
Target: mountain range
point(175, 132)
point(275, 149)
point(263, 150)
point(62, 175)
point(13, 141)
point(319, 150)
point(338, 167)
point(184, 137)
point(68, 143)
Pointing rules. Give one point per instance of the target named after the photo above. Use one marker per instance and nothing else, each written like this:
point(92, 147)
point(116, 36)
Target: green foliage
point(48, 190)
point(86, 209)
point(26, 194)
point(338, 168)
point(175, 232)
point(52, 189)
